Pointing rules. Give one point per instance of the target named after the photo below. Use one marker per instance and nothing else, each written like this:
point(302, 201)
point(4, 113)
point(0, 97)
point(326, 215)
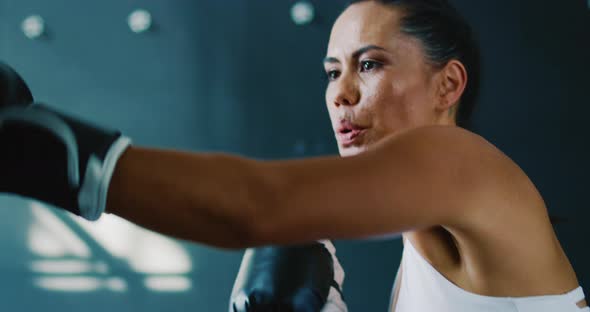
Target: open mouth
point(349, 133)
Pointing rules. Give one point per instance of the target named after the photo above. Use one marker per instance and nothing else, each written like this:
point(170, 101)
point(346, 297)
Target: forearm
point(206, 198)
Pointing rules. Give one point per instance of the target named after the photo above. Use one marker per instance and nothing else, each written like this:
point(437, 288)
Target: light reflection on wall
point(81, 284)
point(80, 256)
point(49, 237)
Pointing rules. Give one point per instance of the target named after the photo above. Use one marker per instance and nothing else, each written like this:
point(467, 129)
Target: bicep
point(418, 179)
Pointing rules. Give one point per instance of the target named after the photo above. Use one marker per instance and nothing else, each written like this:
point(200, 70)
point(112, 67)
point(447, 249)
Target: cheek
point(411, 93)
point(385, 99)
point(329, 98)
point(419, 103)
point(395, 103)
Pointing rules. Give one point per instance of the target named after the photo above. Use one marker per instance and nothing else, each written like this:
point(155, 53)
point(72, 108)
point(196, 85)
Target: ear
point(453, 79)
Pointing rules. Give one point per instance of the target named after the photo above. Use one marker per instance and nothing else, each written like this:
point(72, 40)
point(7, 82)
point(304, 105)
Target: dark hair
point(445, 35)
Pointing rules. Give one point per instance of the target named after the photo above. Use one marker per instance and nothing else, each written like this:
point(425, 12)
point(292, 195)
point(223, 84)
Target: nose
point(347, 91)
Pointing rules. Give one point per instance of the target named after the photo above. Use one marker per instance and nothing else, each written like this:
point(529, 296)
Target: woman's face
point(379, 79)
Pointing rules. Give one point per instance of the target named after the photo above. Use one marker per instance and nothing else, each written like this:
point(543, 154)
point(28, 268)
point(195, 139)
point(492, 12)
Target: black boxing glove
point(13, 90)
point(55, 158)
point(306, 278)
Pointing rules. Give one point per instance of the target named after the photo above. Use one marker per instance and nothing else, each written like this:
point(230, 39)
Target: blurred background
point(245, 76)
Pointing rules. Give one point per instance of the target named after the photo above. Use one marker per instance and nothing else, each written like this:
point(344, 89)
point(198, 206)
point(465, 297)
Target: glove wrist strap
point(92, 198)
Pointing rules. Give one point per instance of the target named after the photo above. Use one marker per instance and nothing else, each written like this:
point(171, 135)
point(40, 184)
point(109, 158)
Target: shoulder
point(448, 139)
point(479, 174)
point(453, 148)
point(499, 209)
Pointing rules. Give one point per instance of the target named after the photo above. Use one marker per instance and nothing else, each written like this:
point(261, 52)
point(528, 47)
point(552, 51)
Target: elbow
point(260, 227)
point(247, 212)
point(258, 222)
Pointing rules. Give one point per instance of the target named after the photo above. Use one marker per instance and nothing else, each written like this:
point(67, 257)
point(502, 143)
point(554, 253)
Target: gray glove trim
point(236, 295)
point(92, 198)
point(335, 301)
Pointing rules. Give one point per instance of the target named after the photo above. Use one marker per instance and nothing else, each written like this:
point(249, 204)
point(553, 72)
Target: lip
point(348, 139)
point(349, 133)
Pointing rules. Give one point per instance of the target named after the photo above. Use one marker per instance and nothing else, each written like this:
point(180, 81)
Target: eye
point(333, 74)
point(369, 65)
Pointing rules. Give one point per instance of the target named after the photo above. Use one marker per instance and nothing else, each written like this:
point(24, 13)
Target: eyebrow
point(355, 54)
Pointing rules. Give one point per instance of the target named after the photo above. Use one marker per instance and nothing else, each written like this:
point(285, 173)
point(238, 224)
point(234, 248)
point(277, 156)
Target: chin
point(351, 151)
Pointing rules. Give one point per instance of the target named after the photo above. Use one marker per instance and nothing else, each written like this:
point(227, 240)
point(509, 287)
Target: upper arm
point(420, 178)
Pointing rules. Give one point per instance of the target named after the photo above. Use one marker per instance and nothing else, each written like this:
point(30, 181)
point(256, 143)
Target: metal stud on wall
point(33, 27)
point(140, 21)
point(302, 13)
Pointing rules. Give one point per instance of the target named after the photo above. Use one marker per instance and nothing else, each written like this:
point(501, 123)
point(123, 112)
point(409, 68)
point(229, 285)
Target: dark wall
point(534, 104)
point(241, 77)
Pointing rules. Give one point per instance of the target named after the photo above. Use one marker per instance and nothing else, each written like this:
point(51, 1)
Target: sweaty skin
point(406, 169)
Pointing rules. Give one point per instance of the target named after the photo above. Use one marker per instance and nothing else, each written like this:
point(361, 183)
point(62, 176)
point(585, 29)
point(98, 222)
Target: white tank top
point(423, 288)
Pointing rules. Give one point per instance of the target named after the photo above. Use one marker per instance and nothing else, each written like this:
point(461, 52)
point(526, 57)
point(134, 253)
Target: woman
point(402, 74)
point(400, 65)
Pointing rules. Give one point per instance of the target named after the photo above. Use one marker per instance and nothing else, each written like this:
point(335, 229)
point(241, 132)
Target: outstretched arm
point(419, 178)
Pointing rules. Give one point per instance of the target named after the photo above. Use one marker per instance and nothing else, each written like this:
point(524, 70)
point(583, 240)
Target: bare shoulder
point(488, 179)
point(502, 213)
point(501, 206)
point(481, 189)
point(462, 151)
point(446, 139)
